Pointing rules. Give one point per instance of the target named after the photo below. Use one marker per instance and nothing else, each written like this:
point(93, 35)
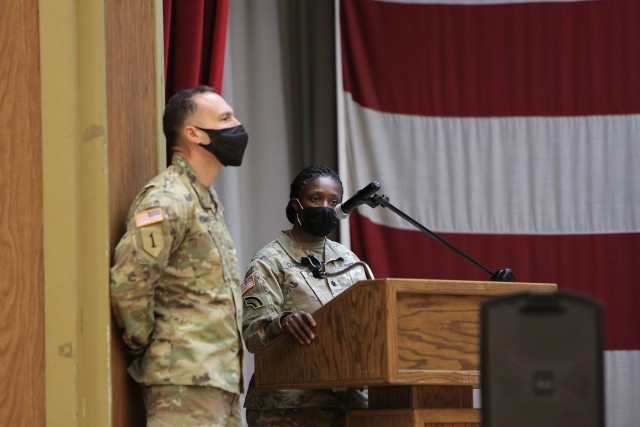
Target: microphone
point(343, 209)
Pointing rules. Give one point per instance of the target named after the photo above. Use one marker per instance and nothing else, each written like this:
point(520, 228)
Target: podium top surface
point(461, 287)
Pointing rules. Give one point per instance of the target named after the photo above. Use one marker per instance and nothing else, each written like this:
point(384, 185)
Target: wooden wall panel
point(132, 136)
point(22, 397)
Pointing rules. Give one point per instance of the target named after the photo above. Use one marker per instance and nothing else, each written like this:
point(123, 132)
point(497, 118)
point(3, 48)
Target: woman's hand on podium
point(300, 325)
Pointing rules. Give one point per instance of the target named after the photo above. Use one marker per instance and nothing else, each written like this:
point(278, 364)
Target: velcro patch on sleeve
point(148, 217)
point(253, 302)
point(152, 240)
point(248, 283)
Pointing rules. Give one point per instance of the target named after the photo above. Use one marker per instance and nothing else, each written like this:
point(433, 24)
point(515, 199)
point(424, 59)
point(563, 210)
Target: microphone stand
point(504, 275)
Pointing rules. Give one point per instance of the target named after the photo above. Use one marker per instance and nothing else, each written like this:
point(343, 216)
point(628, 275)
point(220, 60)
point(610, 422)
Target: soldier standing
point(280, 294)
point(174, 281)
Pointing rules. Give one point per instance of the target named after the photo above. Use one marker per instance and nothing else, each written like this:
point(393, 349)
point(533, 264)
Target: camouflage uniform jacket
point(277, 284)
point(174, 286)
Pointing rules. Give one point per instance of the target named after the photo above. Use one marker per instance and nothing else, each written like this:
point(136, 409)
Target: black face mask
point(318, 221)
point(228, 144)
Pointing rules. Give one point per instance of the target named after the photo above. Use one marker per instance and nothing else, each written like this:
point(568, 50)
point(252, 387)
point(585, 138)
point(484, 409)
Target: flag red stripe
point(604, 269)
point(536, 59)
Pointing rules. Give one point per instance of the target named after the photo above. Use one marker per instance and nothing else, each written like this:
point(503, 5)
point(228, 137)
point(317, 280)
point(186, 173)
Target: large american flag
point(511, 129)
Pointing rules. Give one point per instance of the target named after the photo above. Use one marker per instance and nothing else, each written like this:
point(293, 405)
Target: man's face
point(216, 129)
point(213, 112)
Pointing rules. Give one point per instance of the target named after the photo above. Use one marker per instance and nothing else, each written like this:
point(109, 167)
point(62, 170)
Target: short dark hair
point(300, 182)
point(180, 106)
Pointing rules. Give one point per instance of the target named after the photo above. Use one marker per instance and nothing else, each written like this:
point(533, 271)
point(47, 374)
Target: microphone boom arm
point(367, 271)
point(317, 268)
point(504, 275)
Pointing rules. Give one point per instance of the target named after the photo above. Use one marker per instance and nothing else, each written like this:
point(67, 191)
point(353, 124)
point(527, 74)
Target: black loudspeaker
point(542, 361)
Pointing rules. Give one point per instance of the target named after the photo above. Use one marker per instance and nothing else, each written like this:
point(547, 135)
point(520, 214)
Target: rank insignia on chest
point(148, 217)
point(248, 283)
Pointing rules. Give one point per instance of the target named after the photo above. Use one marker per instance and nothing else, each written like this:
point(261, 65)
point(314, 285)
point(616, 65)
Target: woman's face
point(323, 191)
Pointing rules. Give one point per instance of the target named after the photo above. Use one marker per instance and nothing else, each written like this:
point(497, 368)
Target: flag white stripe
point(501, 175)
point(622, 387)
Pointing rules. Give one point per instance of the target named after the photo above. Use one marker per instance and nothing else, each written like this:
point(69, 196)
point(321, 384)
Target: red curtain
point(194, 43)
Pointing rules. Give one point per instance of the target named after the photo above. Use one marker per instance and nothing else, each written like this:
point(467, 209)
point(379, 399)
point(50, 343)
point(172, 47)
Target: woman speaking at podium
point(281, 291)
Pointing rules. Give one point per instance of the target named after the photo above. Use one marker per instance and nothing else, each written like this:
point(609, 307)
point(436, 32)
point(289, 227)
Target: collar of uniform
point(207, 196)
point(297, 250)
point(332, 253)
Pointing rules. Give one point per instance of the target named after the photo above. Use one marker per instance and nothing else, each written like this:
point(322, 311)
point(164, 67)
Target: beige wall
point(80, 91)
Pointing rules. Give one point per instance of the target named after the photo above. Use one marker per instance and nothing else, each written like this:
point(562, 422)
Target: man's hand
point(300, 325)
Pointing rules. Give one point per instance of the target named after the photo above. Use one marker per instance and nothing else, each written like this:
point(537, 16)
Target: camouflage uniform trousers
point(191, 406)
point(297, 417)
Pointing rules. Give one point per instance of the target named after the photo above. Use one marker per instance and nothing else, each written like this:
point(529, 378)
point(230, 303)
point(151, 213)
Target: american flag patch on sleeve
point(149, 217)
point(248, 283)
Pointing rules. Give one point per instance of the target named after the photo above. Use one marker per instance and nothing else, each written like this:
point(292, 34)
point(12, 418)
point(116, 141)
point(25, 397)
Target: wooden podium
point(414, 343)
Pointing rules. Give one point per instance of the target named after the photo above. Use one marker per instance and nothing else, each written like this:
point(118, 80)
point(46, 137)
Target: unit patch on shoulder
point(253, 302)
point(152, 239)
point(150, 216)
point(248, 283)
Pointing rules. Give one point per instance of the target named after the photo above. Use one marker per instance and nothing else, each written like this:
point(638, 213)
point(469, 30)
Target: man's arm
point(139, 262)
